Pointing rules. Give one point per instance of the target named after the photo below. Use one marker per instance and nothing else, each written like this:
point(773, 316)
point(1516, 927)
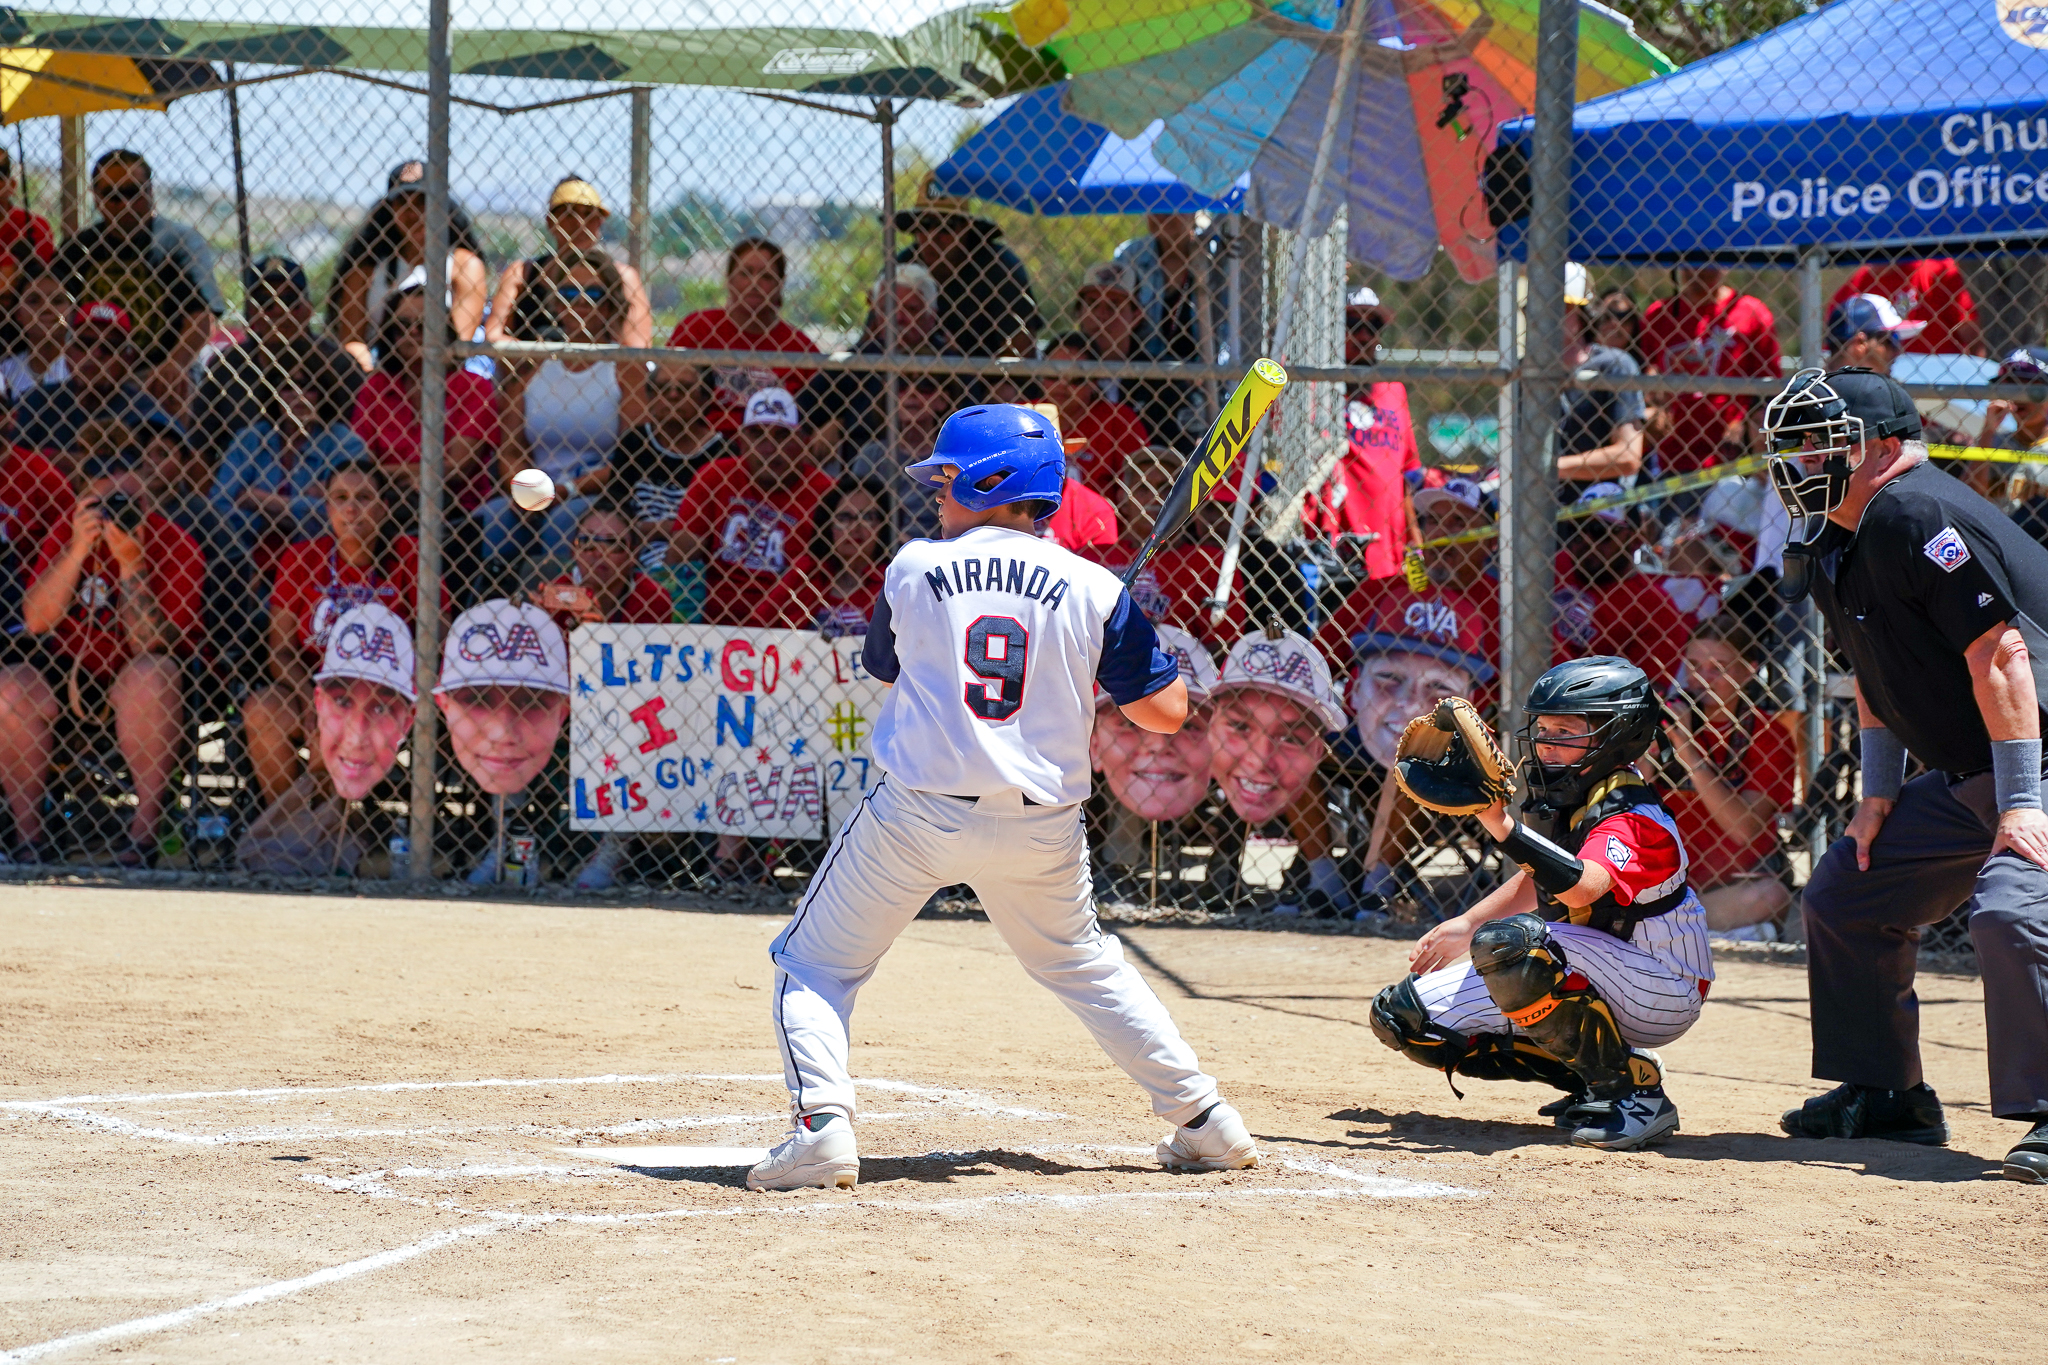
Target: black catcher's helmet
point(1617, 698)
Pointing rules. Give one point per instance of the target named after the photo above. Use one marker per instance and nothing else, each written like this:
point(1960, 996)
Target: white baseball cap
point(1606, 488)
point(771, 408)
point(372, 643)
point(505, 644)
point(1365, 296)
point(1288, 665)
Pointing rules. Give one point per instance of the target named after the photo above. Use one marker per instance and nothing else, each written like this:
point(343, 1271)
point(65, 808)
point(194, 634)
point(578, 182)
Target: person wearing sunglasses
point(2022, 487)
point(103, 383)
point(601, 581)
point(239, 388)
point(831, 587)
point(563, 416)
point(160, 271)
point(575, 222)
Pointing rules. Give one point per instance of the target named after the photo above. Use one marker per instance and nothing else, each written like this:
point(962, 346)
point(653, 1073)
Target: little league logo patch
point(1618, 853)
point(1947, 550)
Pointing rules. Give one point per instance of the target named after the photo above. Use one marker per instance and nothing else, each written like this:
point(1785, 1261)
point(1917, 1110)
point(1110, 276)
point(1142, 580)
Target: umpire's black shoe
point(1864, 1111)
point(2029, 1161)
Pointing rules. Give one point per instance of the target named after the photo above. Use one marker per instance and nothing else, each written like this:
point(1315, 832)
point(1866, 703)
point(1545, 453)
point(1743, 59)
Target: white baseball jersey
point(995, 641)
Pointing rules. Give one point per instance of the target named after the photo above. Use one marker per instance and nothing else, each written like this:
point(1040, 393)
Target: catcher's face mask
point(1814, 445)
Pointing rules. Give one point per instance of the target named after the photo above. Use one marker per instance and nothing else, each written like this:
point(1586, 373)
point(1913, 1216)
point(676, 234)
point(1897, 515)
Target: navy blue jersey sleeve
point(878, 650)
point(1133, 665)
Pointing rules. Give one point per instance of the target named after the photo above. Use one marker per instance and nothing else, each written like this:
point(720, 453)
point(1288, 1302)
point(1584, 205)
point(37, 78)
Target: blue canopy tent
point(1037, 158)
point(1866, 128)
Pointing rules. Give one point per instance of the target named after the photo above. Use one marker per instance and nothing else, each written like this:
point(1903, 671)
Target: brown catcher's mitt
point(1448, 761)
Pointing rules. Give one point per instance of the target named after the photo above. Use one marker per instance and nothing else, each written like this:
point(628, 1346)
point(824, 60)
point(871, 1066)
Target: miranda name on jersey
point(995, 574)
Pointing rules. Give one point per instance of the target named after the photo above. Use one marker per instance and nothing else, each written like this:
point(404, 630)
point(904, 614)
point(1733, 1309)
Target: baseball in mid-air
point(532, 489)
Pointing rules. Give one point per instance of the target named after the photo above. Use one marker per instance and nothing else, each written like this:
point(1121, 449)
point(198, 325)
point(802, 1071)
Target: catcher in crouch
point(1597, 949)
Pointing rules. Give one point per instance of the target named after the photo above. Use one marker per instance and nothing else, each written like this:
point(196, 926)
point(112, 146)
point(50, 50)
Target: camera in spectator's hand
point(123, 511)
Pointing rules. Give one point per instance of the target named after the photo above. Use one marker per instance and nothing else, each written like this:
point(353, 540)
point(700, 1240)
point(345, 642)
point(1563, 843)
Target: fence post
point(643, 137)
point(1528, 493)
point(885, 122)
point(433, 416)
point(72, 191)
point(1810, 309)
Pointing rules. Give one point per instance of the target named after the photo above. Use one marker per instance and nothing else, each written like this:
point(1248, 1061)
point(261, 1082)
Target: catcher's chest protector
point(1622, 792)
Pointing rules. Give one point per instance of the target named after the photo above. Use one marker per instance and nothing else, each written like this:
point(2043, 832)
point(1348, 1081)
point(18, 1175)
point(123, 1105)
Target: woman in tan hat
point(576, 218)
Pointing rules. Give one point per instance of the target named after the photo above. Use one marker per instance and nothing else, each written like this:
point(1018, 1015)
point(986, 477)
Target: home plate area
point(635, 1149)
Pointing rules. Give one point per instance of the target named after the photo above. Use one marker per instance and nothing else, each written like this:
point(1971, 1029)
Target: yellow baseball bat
point(1227, 438)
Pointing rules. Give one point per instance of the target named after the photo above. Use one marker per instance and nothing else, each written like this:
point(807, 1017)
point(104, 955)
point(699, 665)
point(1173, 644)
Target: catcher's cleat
point(820, 1157)
point(1864, 1111)
point(1222, 1143)
point(2028, 1161)
point(1645, 1071)
point(1639, 1118)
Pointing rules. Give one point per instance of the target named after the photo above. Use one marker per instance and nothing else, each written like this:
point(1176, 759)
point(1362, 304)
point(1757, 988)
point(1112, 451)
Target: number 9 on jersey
point(997, 647)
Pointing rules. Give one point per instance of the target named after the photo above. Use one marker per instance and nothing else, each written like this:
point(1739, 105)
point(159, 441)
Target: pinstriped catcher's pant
point(1652, 1004)
point(1029, 866)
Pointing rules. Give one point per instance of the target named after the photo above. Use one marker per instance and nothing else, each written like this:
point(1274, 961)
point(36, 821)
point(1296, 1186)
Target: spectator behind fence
point(103, 359)
point(1599, 431)
point(755, 272)
point(985, 302)
point(575, 221)
point(1365, 502)
point(832, 584)
point(387, 414)
point(1172, 270)
point(656, 460)
point(1604, 604)
point(38, 314)
point(364, 699)
point(115, 602)
point(856, 402)
point(2022, 489)
point(1107, 313)
point(746, 515)
point(1617, 324)
point(24, 236)
point(923, 402)
point(384, 256)
point(1706, 328)
point(563, 417)
point(1865, 330)
point(1109, 431)
point(34, 500)
point(360, 558)
point(601, 581)
point(272, 471)
point(1732, 771)
point(161, 272)
point(240, 387)
point(1459, 590)
point(1175, 587)
point(1930, 292)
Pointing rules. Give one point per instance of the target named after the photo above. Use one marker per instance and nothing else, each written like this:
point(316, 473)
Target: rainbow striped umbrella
point(1246, 88)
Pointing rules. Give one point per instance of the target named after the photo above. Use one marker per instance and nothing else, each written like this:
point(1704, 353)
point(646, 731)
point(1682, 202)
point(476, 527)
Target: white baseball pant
point(1029, 866)
point(1652, 1003)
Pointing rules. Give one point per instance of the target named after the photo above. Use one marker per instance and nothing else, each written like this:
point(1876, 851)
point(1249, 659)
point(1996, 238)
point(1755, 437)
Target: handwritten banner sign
point(718, 730)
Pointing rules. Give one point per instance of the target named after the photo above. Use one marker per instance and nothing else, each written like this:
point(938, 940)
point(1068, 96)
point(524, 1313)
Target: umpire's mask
point(1818, 430)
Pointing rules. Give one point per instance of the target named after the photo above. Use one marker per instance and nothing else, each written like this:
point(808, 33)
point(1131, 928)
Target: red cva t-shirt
point(711, 329)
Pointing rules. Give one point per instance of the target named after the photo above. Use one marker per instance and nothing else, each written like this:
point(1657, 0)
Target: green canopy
point(918, 49)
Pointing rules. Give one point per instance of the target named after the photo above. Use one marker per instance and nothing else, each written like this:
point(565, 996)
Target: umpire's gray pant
point(1863, 935)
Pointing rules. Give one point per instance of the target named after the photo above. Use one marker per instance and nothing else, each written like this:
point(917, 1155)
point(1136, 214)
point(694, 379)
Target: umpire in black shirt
point(1937, 600)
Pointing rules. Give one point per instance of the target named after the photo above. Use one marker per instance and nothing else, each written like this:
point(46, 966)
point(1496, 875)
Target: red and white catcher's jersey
point(1641, 850)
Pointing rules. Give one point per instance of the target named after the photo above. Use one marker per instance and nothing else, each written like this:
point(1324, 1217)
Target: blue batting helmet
point(1018, 447)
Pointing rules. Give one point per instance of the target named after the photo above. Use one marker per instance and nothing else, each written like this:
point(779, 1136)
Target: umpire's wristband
point(2016, 771)
point(1884, 764)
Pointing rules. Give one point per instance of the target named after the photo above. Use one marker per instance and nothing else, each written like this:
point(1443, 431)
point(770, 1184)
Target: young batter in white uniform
point(994, 640)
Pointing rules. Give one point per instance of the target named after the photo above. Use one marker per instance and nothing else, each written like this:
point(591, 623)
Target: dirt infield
point(248, 1128)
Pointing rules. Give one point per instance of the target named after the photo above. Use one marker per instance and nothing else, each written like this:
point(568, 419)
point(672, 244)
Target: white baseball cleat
point(823, 1157)
point(1220, 1144)
point(1624, 1124)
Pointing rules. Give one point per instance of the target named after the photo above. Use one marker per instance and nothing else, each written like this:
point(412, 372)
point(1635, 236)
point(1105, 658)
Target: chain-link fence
point(282, 599)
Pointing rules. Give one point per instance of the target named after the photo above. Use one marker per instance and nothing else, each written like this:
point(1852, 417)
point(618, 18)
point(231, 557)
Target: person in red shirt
point(1930, 292)
point(1366, 495)
point(1707, 328)
point(755, 270)
point(1086, 522)
point(33, 500)
point(1112, 431)
point(1458, 583)
point(832, 585)
point(603, 582)
point(361, 559)
point(22, 234)
point(387, 412)
point(744, 515)
point(115, 601)
point(1733, 773)
point(1603, 605)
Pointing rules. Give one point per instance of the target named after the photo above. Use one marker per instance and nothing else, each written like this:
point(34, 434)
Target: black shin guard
point(1400, 1020)
point(1561, 1012)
